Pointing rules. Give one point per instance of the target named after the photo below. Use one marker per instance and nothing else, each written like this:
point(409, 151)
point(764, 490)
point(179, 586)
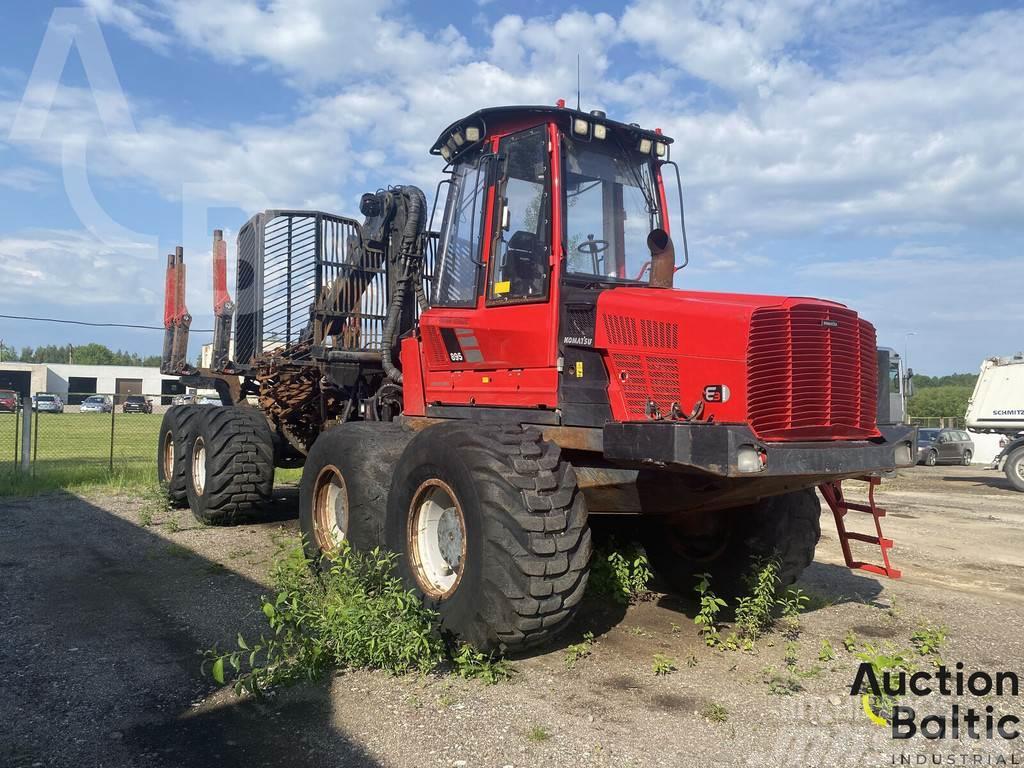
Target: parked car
point(9, 400)
point(136, 404)
point(97, 404)
point(196, 399)
point(944, 446)
point(47, 403)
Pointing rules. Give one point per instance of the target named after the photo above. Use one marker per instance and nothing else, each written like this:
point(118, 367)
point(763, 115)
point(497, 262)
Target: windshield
point(927, 435)
point(44, 398)
point(610, 209)
point(94, 399)
point(134, 399)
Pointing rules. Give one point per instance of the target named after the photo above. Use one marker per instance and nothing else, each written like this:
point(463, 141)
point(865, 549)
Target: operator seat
point(525, 264)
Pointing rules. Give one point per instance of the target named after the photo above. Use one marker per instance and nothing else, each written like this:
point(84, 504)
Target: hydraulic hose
point(410, 262)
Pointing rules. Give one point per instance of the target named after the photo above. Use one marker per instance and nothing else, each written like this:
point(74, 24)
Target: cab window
point(520, 261)
point(610, 209)
point(459, 251)
point(894, 378)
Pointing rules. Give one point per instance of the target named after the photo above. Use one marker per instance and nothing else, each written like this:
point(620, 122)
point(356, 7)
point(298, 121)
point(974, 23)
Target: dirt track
point(102, 619)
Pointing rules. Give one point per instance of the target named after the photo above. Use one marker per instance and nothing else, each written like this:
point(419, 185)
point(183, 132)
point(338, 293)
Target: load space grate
point(291, 261)
point(811, 374)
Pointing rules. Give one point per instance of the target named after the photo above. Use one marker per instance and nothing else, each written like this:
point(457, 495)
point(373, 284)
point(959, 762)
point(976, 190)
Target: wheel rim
point(168, 456)
point(199, 465)
point(437, 539)
point(932, 459)
point(330, 509)
point(967, 457)
point(1018, 468)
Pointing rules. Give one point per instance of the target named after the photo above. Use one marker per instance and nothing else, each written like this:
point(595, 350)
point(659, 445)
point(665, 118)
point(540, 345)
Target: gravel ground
point(103, 618)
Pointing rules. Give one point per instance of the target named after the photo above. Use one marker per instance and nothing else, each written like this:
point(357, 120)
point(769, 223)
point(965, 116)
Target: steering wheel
point(590, 247)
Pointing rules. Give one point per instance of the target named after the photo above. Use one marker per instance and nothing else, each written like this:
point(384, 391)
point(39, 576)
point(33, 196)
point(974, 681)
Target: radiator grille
point(811, 374)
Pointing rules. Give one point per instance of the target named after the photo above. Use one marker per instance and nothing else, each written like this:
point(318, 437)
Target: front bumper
point(715, 449)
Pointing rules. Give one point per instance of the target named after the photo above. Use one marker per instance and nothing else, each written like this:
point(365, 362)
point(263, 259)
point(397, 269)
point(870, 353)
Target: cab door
point(489, 335)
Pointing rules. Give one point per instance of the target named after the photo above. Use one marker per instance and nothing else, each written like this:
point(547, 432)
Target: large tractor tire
point(787, 527)
point(491, 529)
point(176, 430)
point(230, 464)
point(345, 482)
point(1014, 468)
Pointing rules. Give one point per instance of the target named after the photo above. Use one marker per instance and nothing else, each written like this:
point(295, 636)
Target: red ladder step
point(833, 493)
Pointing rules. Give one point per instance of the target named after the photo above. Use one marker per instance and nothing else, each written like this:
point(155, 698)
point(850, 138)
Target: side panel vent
point(656, 334)
point(621, 330)
point(646, 377)
point(580, 324)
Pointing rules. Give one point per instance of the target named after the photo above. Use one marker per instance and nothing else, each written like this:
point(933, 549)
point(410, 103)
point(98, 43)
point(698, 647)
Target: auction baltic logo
point(957, 723)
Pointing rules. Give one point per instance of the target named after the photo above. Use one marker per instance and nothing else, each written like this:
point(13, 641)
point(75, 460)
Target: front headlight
point(750, 458)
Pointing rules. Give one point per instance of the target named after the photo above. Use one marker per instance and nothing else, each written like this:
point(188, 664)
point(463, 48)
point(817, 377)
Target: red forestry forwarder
point(467, 398)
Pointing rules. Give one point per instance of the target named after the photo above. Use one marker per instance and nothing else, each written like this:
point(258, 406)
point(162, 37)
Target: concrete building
point(76, 382)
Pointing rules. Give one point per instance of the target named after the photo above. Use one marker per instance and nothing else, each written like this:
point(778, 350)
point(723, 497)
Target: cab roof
point(495, 119)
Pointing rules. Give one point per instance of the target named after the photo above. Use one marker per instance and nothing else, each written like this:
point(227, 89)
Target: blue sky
point(865, 151)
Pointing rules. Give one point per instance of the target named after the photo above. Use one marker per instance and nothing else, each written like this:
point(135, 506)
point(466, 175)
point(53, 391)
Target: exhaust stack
point(663, 259)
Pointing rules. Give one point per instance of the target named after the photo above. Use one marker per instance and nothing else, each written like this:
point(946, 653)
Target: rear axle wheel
point(176, 432)
point(231, 464)
point(330, 509)
point(345, 484)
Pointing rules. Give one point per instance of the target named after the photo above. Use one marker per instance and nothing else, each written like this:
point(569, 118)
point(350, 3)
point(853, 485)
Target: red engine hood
point(791, 367)
point(710, 324)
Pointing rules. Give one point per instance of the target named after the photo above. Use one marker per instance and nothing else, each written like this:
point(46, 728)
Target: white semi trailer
point(997, 406)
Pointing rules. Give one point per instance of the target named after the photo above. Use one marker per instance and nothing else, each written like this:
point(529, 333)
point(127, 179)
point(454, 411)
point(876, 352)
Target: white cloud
point(133, 17)
point(960, 303)
point(792, 119)
point(23, 178)
point(76, 269)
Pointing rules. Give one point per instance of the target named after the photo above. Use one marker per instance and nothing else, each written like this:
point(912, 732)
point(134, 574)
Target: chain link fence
point(102, 434)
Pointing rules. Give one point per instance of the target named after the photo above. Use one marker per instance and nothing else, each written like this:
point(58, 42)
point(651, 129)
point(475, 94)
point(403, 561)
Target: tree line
point(82, 354)
point(941, 395)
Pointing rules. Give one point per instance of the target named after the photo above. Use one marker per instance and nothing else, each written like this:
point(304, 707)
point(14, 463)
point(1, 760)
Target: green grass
point(72, 451)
